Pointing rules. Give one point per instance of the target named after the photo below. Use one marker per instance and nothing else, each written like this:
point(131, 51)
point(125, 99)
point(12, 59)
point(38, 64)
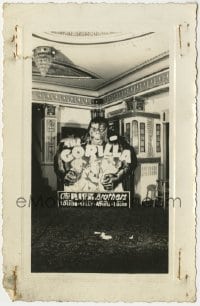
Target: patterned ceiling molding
point(68, 99)
point(155, 81)
point(108, 40)
point(148, 83)
point(65, 33)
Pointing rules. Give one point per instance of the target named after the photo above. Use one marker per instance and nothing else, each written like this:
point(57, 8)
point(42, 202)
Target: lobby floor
point(100, 240)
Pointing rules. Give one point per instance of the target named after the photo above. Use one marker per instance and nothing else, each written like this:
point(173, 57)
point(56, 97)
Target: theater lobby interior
point(123, 77)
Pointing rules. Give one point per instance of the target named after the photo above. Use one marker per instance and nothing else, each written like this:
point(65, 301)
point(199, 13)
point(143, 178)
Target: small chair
point(151, 194)
point(162, 191)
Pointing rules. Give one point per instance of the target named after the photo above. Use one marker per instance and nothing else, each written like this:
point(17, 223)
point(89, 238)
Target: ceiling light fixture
point(43, 58)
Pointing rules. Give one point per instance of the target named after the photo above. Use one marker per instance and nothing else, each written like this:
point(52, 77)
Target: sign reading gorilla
point(96, 163)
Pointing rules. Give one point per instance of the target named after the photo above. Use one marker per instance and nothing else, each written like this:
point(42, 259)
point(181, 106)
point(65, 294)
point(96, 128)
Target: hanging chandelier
point(43, 58)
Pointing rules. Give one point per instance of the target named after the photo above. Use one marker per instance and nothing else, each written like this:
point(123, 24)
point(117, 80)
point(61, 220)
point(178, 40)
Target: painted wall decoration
point(150, 128)
point(49, 136)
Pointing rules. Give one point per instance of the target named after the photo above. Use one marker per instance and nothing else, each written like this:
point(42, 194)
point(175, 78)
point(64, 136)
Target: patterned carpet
point(100, 240)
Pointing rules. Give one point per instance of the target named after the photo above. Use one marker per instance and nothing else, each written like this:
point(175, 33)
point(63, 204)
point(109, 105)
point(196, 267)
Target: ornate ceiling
point(91, 60)
point(88, 38)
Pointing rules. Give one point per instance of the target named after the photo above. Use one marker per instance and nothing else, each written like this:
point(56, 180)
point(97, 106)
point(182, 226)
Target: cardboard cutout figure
point(95, 163)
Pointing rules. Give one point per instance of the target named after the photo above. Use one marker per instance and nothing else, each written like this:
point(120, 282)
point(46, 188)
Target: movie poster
point(93, 168)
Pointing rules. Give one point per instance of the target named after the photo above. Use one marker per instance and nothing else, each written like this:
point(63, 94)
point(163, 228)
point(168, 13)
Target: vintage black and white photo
point(100, 152)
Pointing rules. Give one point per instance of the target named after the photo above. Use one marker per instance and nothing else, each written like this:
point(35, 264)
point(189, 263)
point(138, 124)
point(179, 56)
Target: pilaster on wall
point(49, 144)
point(49, 134)
point(98, 110)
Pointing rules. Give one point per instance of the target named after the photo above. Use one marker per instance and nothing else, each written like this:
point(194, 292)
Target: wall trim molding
point(159, 79)
point(45, 96)
point(147, 83)
point(132, 114)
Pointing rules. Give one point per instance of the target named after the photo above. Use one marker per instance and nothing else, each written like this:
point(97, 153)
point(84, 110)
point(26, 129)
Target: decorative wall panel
point(49, 137)
point(148, 83)
point(45, 96)
point(150, 127)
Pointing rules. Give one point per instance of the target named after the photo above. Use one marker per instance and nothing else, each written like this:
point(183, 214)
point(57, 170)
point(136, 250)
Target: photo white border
point(27, 161)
